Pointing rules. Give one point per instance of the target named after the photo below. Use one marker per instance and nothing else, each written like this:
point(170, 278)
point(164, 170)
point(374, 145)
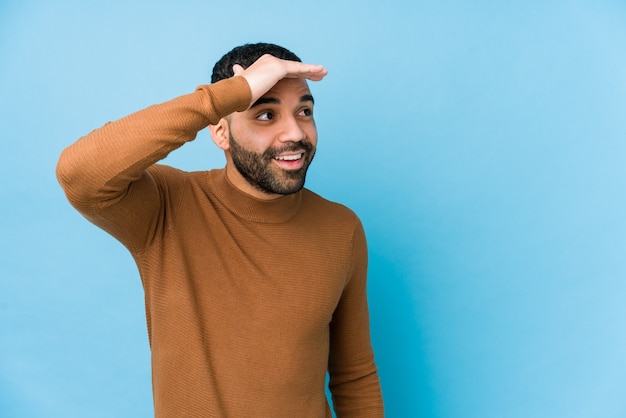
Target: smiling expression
point(272, 144)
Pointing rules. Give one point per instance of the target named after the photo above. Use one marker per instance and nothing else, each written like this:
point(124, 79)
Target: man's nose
point(291, 131)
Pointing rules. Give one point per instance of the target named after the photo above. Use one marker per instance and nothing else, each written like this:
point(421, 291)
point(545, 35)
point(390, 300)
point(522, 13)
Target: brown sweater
point(248, 302)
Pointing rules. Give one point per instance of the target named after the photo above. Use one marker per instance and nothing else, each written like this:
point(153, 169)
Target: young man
point(254, 286)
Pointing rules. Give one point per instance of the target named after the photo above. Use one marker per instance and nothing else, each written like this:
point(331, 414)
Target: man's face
point(273, 143)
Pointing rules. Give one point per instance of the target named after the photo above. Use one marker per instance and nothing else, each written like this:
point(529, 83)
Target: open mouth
point(293, 157)
point(290, 161)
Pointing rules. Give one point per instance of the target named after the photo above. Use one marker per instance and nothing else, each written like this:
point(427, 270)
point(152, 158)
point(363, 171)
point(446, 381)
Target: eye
point(265, 116)
point(306, 112)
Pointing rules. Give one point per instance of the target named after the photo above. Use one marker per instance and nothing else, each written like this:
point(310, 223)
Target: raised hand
point(268, 70)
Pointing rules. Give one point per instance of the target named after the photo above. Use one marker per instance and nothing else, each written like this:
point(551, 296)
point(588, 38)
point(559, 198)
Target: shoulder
point(165, 171)
point(169, 174)
point(181, 184)
point(170, 181)
point(333, 211)
point(340, 226)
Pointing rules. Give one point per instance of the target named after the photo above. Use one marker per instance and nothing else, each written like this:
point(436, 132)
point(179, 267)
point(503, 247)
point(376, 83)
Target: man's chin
point(286, 184)
point(287, 189)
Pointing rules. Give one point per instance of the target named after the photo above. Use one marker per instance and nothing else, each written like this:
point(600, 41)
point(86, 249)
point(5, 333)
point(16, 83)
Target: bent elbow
point(73, 178)
point(63, 170)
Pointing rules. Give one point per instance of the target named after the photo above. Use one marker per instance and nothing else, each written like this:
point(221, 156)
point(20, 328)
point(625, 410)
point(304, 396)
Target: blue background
point(482, 143)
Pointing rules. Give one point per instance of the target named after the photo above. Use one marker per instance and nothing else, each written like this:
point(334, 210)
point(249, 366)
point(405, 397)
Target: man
point(254, 286)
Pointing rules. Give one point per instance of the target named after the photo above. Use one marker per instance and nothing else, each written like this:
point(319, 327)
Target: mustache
point(289, 146)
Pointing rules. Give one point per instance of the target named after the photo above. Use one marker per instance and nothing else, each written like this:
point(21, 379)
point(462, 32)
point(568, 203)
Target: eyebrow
point(273, 100)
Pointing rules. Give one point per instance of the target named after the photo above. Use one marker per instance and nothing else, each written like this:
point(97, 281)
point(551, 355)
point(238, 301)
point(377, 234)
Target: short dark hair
point(246, 55)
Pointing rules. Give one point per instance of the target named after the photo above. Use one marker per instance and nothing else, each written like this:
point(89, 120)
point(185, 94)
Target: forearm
point(354, 380)
point(97, 170)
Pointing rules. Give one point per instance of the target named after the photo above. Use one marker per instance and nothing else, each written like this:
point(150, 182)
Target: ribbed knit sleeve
point(104, 173)
point(354, 381)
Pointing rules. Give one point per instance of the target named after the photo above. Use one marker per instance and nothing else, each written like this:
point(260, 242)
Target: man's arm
point(105, 174)
point(354, 380)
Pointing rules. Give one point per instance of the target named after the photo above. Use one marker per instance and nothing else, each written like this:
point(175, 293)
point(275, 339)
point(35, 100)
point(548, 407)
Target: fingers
point(278, 68)
point(237, 69)
point(314, 73)
point(301, 70)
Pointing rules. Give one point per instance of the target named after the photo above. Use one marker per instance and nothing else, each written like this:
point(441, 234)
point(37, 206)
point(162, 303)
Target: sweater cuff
point(228, 95)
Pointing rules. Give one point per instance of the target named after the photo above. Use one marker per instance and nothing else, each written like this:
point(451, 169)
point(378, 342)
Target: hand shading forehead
point(287, 89)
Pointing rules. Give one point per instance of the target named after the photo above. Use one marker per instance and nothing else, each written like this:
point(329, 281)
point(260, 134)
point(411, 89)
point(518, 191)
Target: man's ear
point(220, 134)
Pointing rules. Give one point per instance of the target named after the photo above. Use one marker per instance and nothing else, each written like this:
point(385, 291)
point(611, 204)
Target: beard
point(259, 170)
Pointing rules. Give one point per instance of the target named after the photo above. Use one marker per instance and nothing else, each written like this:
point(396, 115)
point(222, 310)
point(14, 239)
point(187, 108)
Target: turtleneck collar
point(249, 207)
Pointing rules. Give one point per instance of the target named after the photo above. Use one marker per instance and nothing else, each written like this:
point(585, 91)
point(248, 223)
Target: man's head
point(246, 55)
point(270, 146)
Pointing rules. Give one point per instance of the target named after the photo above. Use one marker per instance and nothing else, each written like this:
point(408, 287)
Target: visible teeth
point(289, 157)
